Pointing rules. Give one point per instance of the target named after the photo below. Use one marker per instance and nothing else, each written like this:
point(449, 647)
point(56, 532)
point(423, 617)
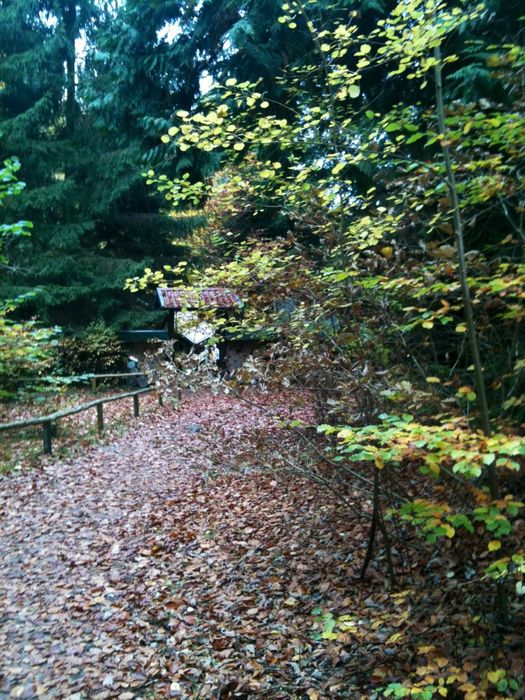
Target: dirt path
point(70, 537)
point(146, 569)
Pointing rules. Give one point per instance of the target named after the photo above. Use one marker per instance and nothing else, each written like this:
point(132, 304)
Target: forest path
point(147, 568)
point(70, 538)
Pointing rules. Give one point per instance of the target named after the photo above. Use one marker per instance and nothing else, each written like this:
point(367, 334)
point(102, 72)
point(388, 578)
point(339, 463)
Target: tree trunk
point(479, 378)
point(69, 16)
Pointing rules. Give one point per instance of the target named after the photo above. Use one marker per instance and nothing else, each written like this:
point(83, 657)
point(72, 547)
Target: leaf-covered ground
point(168, 564)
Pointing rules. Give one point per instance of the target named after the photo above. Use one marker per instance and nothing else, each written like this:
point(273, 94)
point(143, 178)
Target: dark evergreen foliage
point(87, 89)
point(95, 221)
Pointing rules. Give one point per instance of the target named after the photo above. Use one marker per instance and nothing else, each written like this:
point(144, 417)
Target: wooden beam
point(117, 374)
point(39, 420)
point(89, 376)
point(100, 417)
point(47, 437)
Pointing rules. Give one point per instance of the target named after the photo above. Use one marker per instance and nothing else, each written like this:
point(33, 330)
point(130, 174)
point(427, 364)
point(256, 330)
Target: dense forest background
point(87, 89)
point(355, 170)
point(91, 90)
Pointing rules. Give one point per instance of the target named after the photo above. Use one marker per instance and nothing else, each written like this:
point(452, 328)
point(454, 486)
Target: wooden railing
point(47, 421)
point(95, 377)
point(90, 377)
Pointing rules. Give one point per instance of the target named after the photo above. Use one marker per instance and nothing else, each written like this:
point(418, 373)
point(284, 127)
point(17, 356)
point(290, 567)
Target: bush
point(95, 350)
point(26, 357)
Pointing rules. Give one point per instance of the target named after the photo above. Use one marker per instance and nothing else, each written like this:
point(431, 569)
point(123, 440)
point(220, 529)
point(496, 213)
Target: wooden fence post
point(49, 422)
point(47, 437)
point(93, 384)
point(161, 400)
point(100, 417)
point(179, 393)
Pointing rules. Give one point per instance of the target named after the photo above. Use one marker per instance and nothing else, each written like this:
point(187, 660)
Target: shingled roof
point(208, 298)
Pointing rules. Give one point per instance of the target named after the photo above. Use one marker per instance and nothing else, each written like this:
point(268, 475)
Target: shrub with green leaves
point(97, 350)
point(26, 349)
point(26, 357)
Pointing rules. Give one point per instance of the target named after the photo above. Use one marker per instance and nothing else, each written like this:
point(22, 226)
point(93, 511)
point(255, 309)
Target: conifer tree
point(94, 219)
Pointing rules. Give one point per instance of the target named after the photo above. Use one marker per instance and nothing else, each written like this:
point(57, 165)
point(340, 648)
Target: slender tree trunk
point(378, 524)
point(373, 529)
point(479, 378)
point(71, 34)
point(501, 592)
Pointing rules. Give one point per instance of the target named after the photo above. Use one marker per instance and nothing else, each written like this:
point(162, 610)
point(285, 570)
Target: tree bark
point(69, 16)
point(479, 379)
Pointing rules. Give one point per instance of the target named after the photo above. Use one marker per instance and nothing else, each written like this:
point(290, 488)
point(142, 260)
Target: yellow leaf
point(449, 531)
point(337, 168)
point(495, 676)
point(387, 251)
point(428, 324)
point(461, 328)
point(433, 380)
point(394, 638)
point(165, 138)
point(238, 146)
point(467, 687)
point(494, 545)
point(425, 649)
point(441, 662)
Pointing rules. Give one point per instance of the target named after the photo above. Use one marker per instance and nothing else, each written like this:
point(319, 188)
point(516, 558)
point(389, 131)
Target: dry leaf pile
point(166, 564)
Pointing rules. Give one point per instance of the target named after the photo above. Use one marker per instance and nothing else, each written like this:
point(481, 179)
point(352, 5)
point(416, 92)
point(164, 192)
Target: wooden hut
point(182, 301)
point(184, 324)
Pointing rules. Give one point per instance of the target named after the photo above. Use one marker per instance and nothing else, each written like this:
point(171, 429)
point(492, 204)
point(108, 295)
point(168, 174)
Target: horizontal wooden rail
point(86, 377)
point(94, 377)
point(117, 374)
point(70, 411)
point(47, 421)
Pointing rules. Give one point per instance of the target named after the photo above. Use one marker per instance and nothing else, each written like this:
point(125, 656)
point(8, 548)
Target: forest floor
point(168, 564)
